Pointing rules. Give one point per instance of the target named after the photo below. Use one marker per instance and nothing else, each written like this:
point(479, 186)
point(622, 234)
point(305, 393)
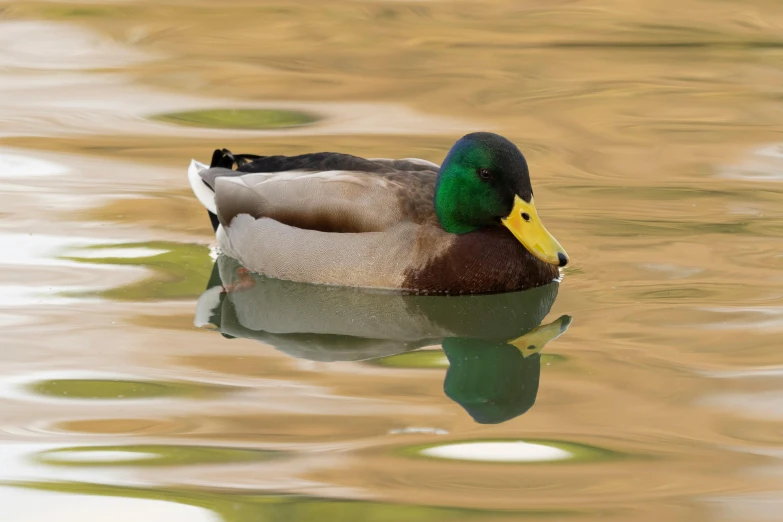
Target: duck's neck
point(452, 216)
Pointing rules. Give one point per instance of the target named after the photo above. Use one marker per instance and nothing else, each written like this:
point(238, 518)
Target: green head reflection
point(497, 381)
point(492, 343)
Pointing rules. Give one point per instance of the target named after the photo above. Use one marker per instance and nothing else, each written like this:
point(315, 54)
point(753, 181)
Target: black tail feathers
point(225, 159)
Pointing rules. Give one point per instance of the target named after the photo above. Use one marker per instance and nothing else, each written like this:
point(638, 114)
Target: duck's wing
point(407, 164)
point(325, 192)
point(329, 201)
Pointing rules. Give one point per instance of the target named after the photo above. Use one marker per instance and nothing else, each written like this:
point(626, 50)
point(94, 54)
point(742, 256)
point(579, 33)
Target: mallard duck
point(467, 226)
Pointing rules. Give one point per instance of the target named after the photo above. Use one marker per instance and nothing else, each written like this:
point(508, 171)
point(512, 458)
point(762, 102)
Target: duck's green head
point(484, 182)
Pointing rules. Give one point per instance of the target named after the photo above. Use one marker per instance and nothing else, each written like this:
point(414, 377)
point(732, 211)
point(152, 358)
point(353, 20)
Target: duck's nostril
point(562, 258)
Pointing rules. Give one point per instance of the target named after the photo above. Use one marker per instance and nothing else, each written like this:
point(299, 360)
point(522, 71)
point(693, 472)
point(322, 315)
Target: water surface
point(644, 386)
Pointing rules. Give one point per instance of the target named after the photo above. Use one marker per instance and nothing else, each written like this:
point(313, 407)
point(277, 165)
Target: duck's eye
point(485, 174)
point(525, 216)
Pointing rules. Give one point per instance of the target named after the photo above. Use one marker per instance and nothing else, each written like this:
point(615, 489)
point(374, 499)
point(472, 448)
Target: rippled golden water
point(653, 132)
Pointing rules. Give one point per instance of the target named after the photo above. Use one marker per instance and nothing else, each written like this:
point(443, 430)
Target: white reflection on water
point(42, 250)
point(59, 46)
point(764, 164)
point(766, 318)
point(763, 371)
point(14, 296)
point(758, 507)
point(113, 456)
point(124, 253)
point(18, 166)
point(517, 451)
point(21, 505)
point(20, 464)
point(419, 429)
point(28, 251)
point(763, 405)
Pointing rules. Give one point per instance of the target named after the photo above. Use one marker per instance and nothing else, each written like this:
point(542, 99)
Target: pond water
point(645, 386)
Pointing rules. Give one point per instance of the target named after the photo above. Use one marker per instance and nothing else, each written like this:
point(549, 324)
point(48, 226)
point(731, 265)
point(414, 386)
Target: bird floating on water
point(467, 226)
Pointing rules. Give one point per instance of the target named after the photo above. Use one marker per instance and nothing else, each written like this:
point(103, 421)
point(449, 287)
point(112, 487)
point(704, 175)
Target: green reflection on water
point(271, 507)
point(179, 271)
point(151, 455)
point(580, 453)
point(496, 382)
point(493, 383)
point(117, 389)
point(247, 119)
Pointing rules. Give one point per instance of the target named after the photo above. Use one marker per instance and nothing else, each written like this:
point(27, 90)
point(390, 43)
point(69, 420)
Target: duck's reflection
point(492, 342)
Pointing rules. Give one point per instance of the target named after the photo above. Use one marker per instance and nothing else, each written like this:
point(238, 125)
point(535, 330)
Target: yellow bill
point(524, 223)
